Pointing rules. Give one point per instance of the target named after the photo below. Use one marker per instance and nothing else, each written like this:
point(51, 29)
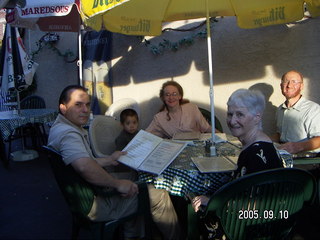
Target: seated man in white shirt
point(298, 119)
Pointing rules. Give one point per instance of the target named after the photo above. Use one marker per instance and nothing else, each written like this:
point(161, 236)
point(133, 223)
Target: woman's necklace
point(177, 115)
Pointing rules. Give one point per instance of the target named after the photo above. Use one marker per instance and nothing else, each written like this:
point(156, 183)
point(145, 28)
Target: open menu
point(150, 153)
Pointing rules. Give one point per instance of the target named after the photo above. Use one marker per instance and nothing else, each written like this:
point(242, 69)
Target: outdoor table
point(10, 120)
point(182, 177)
point(308, 161)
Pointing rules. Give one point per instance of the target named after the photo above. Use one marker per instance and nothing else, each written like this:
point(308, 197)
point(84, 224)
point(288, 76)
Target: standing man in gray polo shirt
point(298, 119)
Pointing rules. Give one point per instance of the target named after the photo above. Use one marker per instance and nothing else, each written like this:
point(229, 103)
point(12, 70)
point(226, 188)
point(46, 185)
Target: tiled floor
point(31, 206)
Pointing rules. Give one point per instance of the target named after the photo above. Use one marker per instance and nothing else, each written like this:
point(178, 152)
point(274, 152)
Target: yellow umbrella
point(145, 17)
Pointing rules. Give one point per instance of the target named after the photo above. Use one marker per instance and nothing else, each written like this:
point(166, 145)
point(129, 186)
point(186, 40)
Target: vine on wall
point(166, 44)
point(49, 40)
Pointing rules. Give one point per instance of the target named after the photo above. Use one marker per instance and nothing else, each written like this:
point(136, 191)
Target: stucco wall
point(242, 58)
point(53, 72)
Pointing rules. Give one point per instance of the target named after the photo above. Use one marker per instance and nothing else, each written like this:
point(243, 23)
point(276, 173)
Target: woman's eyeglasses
point(174, 94)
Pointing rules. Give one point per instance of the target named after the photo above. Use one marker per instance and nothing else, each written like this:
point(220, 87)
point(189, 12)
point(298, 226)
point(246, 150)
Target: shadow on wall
point(141, 65)
point(269, 116)
point(246, 54)
point(238, 54)
point(149, 109)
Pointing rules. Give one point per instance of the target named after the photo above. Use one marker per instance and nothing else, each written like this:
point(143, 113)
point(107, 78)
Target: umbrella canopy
point(16, 67)
point(145, 17)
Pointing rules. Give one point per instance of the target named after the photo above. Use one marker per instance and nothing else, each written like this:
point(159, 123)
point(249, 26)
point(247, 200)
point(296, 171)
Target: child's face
point(131, 124)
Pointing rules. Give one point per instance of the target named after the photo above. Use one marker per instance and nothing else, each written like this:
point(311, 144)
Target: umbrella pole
point(18, 102)
point(80, 54)
point(212, 147)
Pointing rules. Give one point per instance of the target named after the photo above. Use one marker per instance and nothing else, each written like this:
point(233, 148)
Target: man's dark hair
point(66, 92)
point(126, 113)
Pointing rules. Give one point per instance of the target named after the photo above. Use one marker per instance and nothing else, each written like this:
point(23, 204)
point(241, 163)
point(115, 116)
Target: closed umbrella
point(16, 67)
point(16, 74)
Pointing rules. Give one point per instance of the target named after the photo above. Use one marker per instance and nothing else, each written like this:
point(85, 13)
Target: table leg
point(3, 154)
point(181, 207)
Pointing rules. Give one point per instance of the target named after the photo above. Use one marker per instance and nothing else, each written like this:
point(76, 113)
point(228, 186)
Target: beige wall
point(242, 58)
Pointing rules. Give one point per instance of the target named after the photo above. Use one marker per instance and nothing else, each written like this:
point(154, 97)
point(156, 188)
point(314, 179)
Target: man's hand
point(127, 188)
point(199, 201)
point(290, 147)
point(295, 147)
point(110, 160)
point(115, 156)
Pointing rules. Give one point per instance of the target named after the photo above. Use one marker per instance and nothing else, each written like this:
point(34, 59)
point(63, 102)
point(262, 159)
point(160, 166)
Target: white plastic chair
point(103, 131)
point(118, 106)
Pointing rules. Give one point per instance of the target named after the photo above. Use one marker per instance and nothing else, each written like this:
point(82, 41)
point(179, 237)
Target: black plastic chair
point(35, 130)
point(32, 102)
point(79, 195)
point(261, 205)
point(207, 116)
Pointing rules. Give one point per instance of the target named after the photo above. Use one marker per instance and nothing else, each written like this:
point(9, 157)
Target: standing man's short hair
point(299, 73)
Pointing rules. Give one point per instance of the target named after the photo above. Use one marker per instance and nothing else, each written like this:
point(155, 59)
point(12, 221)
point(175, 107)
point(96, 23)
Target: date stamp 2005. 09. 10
point(265, 214)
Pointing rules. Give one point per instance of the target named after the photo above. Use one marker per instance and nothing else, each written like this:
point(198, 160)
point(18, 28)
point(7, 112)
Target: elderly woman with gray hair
point(244, 119)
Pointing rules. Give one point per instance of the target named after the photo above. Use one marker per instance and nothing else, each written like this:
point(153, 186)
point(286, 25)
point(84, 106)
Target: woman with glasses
point(177, 114)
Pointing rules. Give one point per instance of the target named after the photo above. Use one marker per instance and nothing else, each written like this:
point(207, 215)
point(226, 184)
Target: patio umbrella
point(16, 67)
point(145, 17)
